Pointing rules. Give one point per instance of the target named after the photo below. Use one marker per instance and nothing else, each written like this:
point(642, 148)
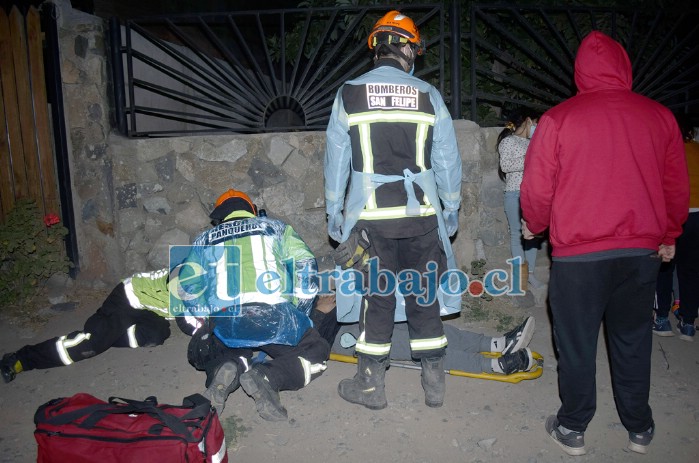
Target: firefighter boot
point(433, 381)
point(367, 387)
point(256, 384)
point(225, 380)
point(10, 366)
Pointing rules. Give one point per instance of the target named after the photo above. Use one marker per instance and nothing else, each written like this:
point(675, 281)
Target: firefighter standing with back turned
point(392, 139)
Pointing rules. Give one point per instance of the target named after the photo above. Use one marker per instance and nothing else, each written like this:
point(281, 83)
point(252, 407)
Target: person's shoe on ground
point(533, 282)
point(515, 362)
point(662, 327)
point(367, 387)
point(267, 400)
point(639, 441)
point(433, 381)
point(225, 381)
point(687, 330)
point(519, 337)
point(10, 366)
point(572, 442)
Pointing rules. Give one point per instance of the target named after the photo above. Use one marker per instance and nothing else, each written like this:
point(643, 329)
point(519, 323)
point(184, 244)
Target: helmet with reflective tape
point(235, 194)
point(397, 29)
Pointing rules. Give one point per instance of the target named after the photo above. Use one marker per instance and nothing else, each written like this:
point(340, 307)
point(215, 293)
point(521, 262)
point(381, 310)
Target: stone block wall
point(164, 189)
point(135, 197)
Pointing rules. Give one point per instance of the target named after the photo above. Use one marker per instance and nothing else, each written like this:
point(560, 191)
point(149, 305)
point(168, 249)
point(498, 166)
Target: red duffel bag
point(83, 428)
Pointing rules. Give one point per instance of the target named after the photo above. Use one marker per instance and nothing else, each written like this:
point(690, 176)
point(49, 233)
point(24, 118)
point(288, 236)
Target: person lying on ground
point(463, 352)
point(131, 316)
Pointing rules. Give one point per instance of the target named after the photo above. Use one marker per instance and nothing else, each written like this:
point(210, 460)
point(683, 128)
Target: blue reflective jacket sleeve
point(446, 160)
point(338, 156)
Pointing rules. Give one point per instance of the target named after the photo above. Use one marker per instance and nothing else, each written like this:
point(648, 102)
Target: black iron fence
point(523, 57)
point(279, 70)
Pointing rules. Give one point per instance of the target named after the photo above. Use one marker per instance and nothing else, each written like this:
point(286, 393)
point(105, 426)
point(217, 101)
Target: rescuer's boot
point(367, 387)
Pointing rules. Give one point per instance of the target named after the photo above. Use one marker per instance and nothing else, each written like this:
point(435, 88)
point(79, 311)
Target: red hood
point(602, 63)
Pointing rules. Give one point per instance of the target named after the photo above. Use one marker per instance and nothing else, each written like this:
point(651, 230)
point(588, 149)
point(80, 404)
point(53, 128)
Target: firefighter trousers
point(115, 324)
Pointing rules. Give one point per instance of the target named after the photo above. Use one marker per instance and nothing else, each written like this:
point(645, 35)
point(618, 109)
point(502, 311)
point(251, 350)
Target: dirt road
point(481, 421)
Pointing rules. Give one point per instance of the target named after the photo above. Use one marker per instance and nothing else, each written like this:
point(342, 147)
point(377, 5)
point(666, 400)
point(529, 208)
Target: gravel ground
point(481, 421)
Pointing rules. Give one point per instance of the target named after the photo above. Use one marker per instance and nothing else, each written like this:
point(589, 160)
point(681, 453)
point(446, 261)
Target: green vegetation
point(31, 251)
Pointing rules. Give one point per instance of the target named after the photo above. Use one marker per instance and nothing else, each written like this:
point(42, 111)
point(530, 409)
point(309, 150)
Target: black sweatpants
point(663, 288)
point(620, 292)
point(115, 324)
point(687, 258)
point(290, 367)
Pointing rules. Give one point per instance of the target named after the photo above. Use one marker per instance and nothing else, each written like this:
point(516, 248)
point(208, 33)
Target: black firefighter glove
point(354, 252)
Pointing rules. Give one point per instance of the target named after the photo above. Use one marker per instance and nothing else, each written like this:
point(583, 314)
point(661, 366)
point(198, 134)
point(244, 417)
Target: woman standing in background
point(512, 146)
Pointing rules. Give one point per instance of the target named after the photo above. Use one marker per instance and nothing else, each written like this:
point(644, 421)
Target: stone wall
point(86, 99)
point(135, 197)
point(164, 189)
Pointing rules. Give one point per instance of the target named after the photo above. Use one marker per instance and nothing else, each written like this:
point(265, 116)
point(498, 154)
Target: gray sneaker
point(572, 443)
point(639, 441)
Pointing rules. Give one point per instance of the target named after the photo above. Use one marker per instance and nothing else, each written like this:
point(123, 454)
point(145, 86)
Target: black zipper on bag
point(108, 439)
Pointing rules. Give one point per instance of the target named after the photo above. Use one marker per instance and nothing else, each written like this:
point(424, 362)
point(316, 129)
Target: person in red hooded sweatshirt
point(605, 172)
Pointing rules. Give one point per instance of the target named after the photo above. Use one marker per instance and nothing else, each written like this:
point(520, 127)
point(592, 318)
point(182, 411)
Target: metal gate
point(278, 70)
point(248, 71)
point(524, 56)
